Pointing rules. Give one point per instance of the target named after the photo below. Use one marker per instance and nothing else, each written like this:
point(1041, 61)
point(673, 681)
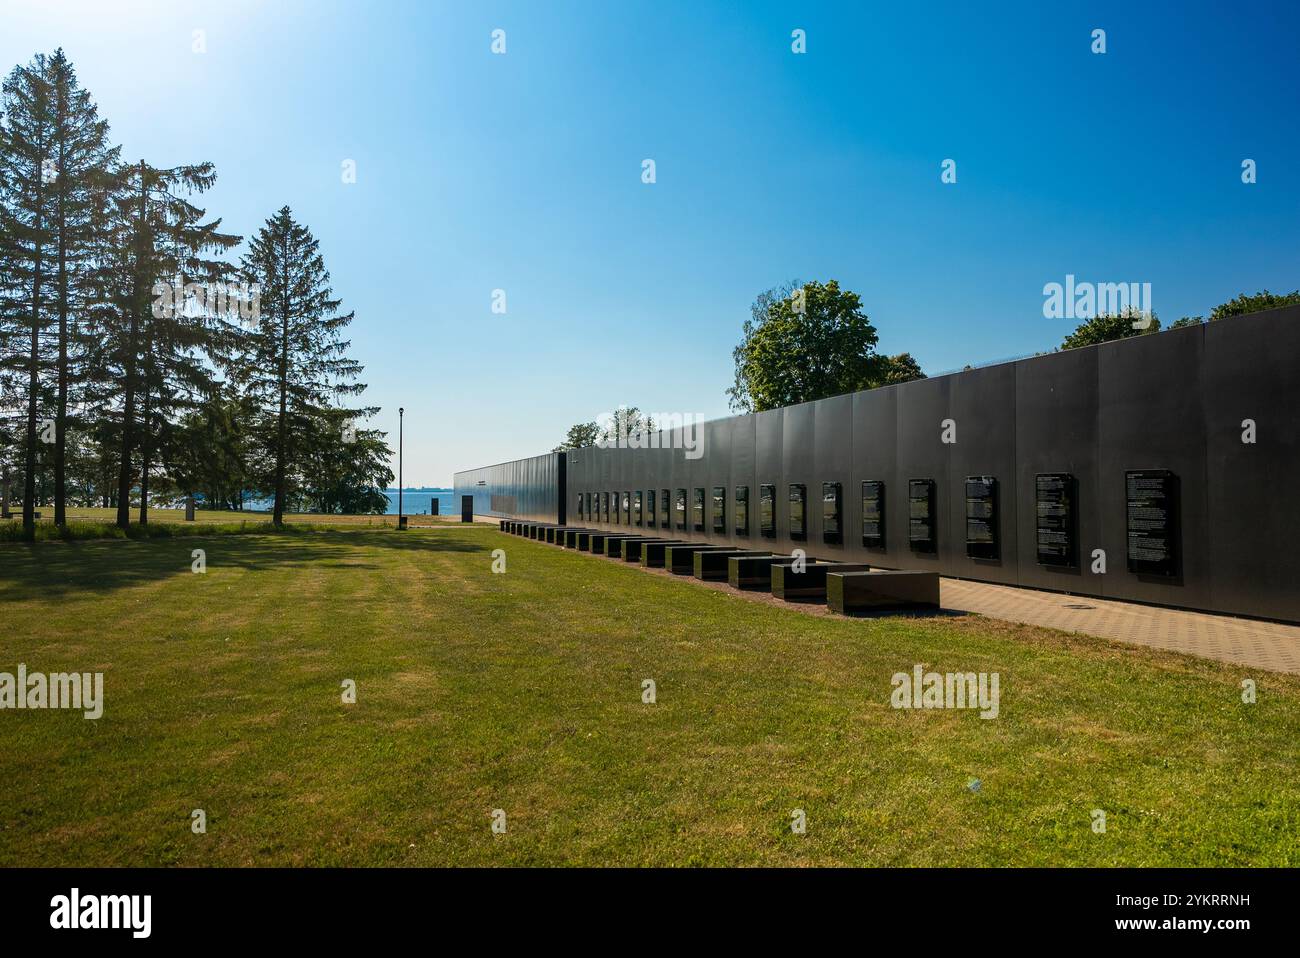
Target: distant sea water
point(415, 502)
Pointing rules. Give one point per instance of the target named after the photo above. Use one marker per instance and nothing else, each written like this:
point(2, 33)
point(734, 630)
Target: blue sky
point(522, 172)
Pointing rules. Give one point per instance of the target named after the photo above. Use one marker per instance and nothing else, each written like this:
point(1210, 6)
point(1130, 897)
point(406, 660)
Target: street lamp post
point(401, 418)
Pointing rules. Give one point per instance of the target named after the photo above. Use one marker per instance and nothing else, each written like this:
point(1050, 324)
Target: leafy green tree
point(580, 436)
point(623, 422)
point(1112, 326)
point(209, 457)
point(1253, 304)
point(295, 362)
point(347, 468)
point(805, 342)
point(1187, 321)
point(893, 370)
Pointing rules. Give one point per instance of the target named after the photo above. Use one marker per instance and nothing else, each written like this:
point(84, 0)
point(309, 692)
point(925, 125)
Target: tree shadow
point(103, 565)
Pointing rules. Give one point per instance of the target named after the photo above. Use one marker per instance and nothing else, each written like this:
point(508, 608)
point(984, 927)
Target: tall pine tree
point(83, 161)
point(155, 344)
point(296, 362)
point(27, 175)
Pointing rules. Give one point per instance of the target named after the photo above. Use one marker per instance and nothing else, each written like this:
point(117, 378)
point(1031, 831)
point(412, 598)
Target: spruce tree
point(83, 159)
point(296, 362)
point(155, 344)
point(26, 194)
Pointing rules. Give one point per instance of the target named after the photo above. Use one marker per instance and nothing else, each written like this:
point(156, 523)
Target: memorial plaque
point(798, 498)
point(665, 516)
point(650, 508)
point(637, 506)
point(767, 511)
point(920, 515)
point(982, 517)
point(720, 510)
point(697, 509)
point(832, 509)
point(1152, 508)
point(873, 514)
point(1056, 523)
point(681, 508)
point(742, 510)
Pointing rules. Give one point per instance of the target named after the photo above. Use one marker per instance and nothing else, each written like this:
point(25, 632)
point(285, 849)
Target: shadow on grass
point(904, 613)
point(102, 565)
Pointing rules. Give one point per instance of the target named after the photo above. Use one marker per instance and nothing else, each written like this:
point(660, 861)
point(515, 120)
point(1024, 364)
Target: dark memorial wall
point(984, 410)
point(533, 485)
point(1052, 446)
point(1251, 488)
point(1152, 416)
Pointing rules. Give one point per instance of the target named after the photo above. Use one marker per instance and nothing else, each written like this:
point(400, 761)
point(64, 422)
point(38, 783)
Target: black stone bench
point(810, 581)
point(597, 540)
point(850, 592)
point(713, 565)
point(633, 548)
point(754, 571)
point(653, 551)
point(571, 534)
point(614, 547)
point(680, 559)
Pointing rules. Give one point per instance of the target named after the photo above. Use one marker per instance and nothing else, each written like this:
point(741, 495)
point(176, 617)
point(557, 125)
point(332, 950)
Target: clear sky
point(523, 172)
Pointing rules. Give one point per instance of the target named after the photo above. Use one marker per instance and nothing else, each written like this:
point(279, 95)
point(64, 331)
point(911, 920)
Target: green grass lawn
point(522, 692)
point(98, 514)
point(99, 523)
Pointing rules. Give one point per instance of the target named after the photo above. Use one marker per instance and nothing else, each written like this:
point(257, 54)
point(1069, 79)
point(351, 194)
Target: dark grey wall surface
point(535, 486)
point(1175, 400)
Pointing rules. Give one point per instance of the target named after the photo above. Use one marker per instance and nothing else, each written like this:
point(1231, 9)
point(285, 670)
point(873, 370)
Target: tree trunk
point(129, 372)
point(61, 409)
point(33, 379)
point(124, 464)
point(278, 513)
point(145, 452)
